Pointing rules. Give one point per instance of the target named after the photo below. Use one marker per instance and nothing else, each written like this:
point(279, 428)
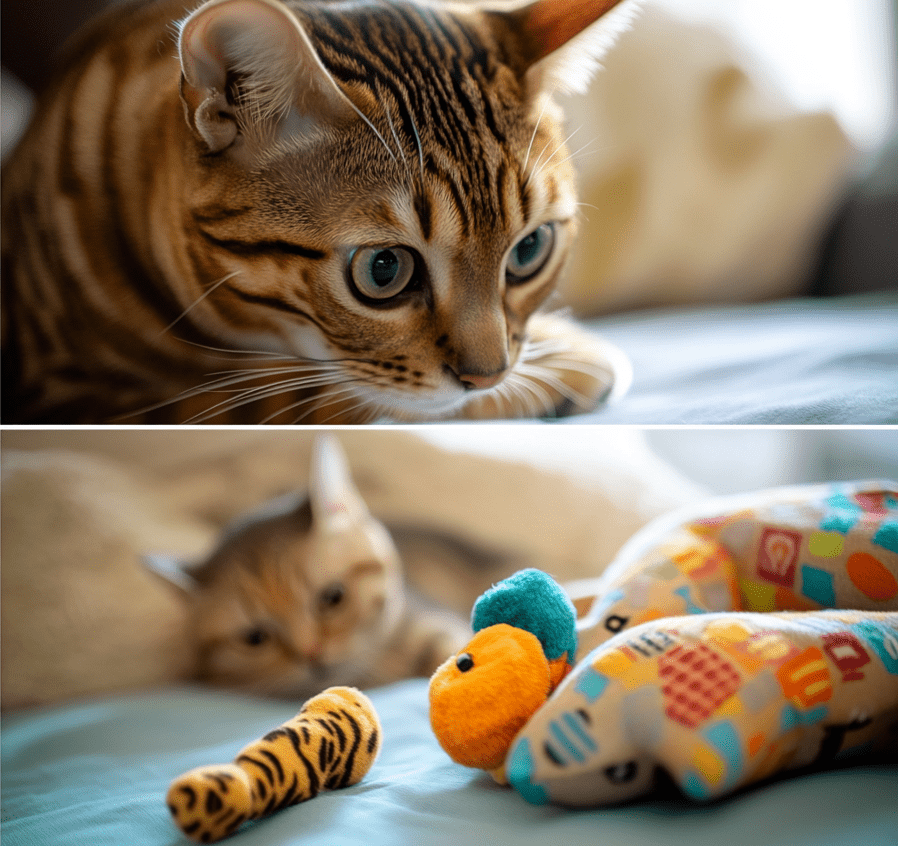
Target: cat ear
point(564, 40)
point(334, 497)
point(248, 67)
point(171, 569)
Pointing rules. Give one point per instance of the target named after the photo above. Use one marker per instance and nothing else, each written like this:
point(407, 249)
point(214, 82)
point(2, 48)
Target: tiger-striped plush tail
point(332, 742)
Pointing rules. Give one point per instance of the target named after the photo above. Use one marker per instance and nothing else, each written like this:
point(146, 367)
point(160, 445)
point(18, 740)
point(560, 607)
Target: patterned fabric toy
point(721, 700)
point(331, 743)
point(525, 641)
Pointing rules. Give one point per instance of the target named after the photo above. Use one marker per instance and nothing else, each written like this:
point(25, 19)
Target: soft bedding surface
point(96, 773)
point(800, 361)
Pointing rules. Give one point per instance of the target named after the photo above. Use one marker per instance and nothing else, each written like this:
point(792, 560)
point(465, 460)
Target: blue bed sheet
point(96, 773)
point(819, 361)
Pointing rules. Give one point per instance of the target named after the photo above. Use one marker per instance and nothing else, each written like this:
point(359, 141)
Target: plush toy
point(717, 700)
point(331, 743)
point(523, 647)
point(709, 651)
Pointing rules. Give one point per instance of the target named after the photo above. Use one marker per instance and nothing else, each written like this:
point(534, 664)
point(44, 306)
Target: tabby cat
point(309, 591)
point(302, 211)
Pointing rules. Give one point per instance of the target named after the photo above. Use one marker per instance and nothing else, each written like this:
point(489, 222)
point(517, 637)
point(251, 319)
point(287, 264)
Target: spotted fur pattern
point(187, 219)
point(331, 743)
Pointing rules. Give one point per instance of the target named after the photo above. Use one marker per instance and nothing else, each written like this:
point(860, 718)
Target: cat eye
point(255, 636)
point(380, 273)
point(331, 596)
point(530, 254)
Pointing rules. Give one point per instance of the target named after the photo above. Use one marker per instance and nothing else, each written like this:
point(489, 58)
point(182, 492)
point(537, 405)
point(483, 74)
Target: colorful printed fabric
point(721, 700)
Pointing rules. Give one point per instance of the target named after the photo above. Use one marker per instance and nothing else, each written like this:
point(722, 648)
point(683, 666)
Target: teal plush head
point(533, 601)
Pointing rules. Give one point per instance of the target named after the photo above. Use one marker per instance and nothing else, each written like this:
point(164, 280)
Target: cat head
point(382, 190)
point(301, 593)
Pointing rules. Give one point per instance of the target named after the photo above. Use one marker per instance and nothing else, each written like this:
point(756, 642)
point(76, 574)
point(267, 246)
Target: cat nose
point(481, 381)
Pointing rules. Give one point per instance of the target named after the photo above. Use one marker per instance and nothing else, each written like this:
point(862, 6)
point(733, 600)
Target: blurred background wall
point(724, 460)
point(822, 54)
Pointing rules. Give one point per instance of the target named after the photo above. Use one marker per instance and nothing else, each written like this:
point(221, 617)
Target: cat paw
point(562, 370)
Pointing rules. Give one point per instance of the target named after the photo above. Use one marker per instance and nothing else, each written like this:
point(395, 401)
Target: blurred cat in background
point(311, 591)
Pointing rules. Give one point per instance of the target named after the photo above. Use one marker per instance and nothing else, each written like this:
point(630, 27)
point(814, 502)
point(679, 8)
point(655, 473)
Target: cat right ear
point(249, 69)
point(563, 41)
point(334, 498)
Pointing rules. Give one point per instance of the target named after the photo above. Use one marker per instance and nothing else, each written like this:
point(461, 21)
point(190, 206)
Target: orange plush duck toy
point(524, 644)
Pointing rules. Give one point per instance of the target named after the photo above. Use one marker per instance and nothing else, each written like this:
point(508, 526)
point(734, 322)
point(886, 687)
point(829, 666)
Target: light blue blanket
point(801, 361)
point(95, 774)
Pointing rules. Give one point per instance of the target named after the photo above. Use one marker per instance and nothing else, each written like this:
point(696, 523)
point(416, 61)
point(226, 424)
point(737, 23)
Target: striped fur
point(331, 743)
point(181, 218)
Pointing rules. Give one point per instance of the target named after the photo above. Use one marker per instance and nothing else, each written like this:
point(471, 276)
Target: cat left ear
point(248, 67)
point(333, 495)
point(563, 41)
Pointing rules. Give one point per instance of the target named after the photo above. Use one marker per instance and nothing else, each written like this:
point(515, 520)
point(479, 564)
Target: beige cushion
point(700, 182)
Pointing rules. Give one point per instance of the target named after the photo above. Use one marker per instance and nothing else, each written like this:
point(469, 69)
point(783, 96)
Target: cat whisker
point(275, 371)
point(580, 206)
point(533, 136)
point(318, 372)
point(372, 127)
point(399, 146)
point(575, 366)
point(221, 384)
point(333, 397)
point(539, 402)
point(272, 359)
point(273, 356)
point(574, 155)
point(535, 351)
point(271, 389)
point(232, 378)
point(295, 365)
point(538, 166)
point(418, 144)
point(534, 171)
point(546, 376)
point(306, 401)
point(264, 392)
point(545, 405)
point(509, 391)
point(208, 387)
point(343, 411)
point(200, 298)
point(371, 415)
point(567, 158)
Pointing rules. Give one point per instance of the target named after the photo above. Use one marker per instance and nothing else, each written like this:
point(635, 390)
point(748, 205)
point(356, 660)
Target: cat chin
point(410, 408)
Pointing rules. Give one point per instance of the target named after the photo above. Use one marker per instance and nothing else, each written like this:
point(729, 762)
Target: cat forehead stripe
point(447, 98)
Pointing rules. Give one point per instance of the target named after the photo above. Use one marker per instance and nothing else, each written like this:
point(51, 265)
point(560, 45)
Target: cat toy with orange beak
point(524, 644)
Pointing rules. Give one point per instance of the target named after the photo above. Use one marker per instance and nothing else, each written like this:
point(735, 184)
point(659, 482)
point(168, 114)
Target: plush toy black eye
point(621, 773)
point(255, 637)
point(464, 662)
point(332, 596)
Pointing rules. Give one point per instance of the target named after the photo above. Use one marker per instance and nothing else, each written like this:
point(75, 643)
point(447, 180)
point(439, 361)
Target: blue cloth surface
point(96, 773)
point(800, 361)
